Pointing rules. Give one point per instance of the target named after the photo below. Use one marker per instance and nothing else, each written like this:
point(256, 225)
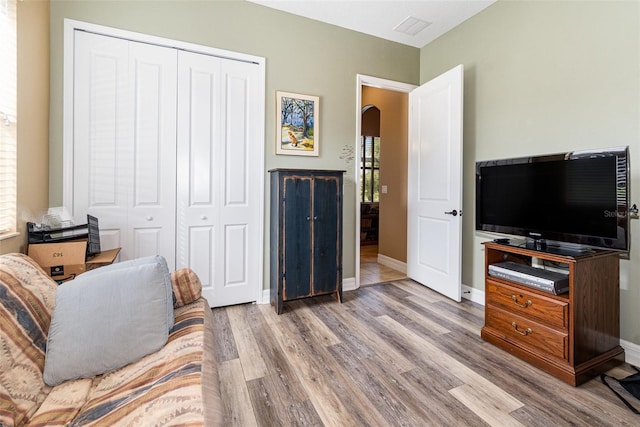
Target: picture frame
point(297, 124)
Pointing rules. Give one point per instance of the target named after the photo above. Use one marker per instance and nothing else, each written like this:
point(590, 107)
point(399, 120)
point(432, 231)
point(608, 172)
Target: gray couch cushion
point(108, 318)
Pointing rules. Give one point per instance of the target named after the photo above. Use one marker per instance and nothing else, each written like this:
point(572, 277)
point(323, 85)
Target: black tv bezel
point(556, 237)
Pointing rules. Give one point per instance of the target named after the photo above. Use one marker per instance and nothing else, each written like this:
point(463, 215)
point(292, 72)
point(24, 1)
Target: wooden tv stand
point(574, 336)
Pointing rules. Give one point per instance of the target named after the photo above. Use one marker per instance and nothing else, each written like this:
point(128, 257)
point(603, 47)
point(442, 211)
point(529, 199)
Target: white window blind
point(8, 116)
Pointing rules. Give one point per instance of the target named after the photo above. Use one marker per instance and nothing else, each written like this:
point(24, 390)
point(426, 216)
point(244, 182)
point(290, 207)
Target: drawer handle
point(525, 305)
point(526, 332)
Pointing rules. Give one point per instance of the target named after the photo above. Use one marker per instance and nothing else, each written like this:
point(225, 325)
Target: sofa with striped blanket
point(176, 385)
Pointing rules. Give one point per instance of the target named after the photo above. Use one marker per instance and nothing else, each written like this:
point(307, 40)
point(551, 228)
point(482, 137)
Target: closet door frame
point(71, 26)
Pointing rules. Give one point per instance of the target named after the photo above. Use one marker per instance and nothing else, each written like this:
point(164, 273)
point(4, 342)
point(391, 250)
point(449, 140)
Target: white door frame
point(70, 26)
point(364, 80)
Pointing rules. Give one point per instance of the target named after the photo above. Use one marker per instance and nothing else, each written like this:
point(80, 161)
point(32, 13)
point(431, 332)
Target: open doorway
point(382, 179)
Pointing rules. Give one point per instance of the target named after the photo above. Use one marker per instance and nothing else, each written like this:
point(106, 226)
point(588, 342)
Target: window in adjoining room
point(8, 119)
point(370, 168)
point(370, 154)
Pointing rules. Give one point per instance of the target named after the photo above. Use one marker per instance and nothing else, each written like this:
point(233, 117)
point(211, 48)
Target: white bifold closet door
point(162, 155)
point(218, 213)
point(125, 143)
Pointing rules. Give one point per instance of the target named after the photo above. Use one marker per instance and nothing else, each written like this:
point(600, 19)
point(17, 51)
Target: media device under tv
point(579, 198)
point(544, 280)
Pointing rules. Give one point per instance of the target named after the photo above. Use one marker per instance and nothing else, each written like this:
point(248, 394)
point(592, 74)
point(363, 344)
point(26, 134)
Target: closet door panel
point(153, 85)
point(101, 106)
point(199, 244)
point(146, 240)
point(236, 256)
point(201, 252)
point(239, 214)
point(236, 141)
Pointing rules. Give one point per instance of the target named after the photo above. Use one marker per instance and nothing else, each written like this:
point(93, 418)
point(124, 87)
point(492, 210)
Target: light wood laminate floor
point(371, 271)
point(393, 354)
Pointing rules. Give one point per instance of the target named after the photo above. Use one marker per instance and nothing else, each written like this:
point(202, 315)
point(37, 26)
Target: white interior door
point(219, 193)
point(434, 202)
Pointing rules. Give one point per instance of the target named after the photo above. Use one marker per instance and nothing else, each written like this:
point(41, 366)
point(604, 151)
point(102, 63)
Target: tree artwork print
point(297, 124)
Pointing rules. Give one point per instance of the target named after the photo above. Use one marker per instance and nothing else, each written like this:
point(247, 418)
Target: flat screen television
point(580, 198)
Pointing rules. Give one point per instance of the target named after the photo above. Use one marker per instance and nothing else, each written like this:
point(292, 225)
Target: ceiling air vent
point(411, 26)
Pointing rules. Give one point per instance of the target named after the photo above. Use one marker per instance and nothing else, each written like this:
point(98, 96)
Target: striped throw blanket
point(177, 385)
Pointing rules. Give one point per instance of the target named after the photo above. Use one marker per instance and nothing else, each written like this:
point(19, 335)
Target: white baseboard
point(631, 352)
point(349, 284)
point(266, 297)
point(392, 263)
point(473, 294)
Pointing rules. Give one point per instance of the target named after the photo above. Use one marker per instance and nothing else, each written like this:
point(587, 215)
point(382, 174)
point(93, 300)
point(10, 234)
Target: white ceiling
point(380, 17)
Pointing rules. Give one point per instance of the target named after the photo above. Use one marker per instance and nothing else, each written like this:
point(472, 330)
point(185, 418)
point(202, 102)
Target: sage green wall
point(302, 56)
point(546, 77)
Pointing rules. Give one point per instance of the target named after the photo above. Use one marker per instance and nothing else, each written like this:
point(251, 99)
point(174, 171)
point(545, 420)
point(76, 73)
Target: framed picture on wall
point(297, 124)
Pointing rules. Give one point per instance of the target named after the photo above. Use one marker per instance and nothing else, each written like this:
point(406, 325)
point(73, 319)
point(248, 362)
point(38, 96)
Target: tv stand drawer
point(548, 311)
point(527, 333)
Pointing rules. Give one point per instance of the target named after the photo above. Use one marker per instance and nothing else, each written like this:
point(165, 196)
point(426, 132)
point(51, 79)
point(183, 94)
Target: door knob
point(453, 212)
point(149, 218)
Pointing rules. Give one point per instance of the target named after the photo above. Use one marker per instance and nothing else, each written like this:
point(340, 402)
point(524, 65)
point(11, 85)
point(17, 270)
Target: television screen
point(577, 197)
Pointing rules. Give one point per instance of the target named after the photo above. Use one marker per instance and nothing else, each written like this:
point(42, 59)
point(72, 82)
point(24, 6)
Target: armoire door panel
point(297, 243)
point(326, 234)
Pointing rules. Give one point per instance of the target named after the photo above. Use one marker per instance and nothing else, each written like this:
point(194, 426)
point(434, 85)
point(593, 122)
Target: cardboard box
point(103, 258)
point(64, 261)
